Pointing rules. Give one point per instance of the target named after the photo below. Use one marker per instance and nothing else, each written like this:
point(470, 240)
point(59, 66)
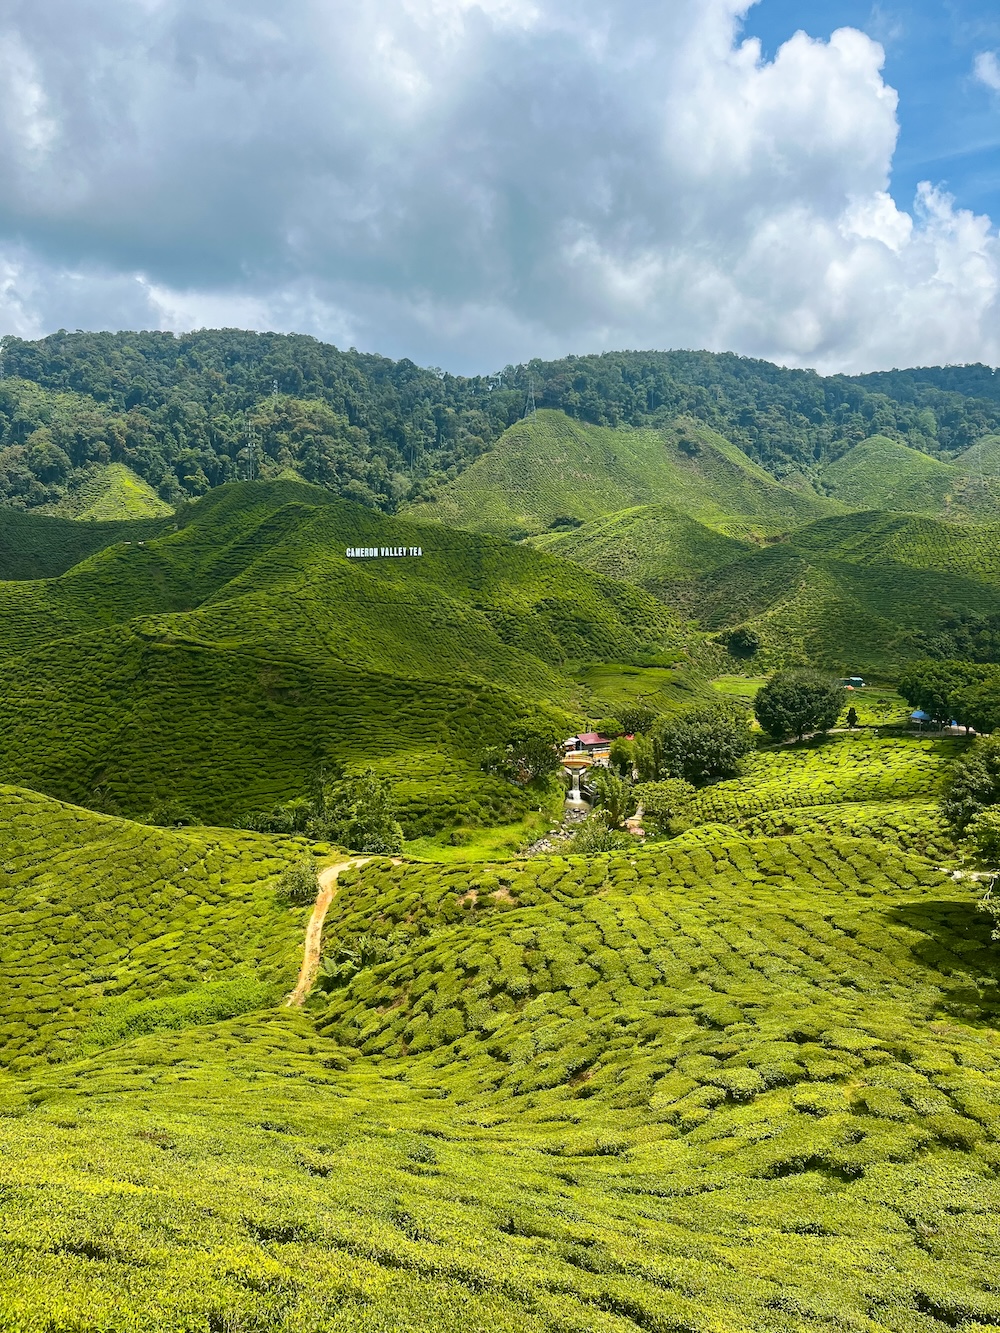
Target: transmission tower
point(3, 349)
point(274, 390)
point(529, 407)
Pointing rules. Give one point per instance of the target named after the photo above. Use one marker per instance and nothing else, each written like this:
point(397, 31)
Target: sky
point(476, 182)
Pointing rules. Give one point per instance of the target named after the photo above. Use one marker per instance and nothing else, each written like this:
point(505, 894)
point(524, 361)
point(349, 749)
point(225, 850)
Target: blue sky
point(949, 119)
point(475, 182)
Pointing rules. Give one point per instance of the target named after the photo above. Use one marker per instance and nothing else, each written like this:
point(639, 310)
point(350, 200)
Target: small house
point(588, 743)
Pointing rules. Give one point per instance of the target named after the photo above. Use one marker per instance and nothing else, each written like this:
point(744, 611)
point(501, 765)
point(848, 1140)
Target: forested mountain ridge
point(190, 412)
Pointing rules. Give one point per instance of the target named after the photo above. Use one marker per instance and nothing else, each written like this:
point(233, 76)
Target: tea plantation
point(218, 667)
point(745, 1080)
point(550, 472)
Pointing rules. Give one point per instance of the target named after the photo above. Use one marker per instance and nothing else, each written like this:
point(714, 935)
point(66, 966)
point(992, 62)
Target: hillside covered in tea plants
point(218, 663)
point(747, 1078)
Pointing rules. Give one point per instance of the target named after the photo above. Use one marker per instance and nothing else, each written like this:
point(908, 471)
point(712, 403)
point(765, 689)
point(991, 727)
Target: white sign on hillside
point(377, 552)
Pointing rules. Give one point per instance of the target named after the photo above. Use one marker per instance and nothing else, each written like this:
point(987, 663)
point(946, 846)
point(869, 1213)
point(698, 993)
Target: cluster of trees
point(965, 636)
point(968, 692)
point(355, 811)
point(190, 412)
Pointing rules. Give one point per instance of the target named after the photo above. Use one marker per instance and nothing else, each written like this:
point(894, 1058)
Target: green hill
point(856, 592)
point(883, 474)
point(550, 472)
point(110, 492)
point(182, 411)
point(655, 546)
point(38, 546)
point(218, 667)
point(744, 1081)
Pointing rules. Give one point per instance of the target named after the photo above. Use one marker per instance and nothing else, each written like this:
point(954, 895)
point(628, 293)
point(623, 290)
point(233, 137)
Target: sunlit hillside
point(549, 472)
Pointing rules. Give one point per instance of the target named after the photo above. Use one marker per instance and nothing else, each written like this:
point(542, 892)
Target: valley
point(297, 1031)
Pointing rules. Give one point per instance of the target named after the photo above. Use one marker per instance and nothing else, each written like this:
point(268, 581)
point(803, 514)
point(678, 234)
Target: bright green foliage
point(705, 744)
point(616, 796)
point(882, 474)
point(124, 925)
point(664, 803)
point(699, 1086)
point(794, 703)
point(935, 687)
point(111, 492)
point(978, 705)
point(548, 469)
point(359, 813)
point(220, 666)
point(598, 834)
point(848, 768)
point(984, 835)
point(300, 882)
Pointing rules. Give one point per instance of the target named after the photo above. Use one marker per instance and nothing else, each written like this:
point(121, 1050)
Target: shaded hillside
point(39, 546)
point(655, 546)
point(219, 667)
point(883, 474)
point(748, 1081)
point(549, 472)
point(861, 592)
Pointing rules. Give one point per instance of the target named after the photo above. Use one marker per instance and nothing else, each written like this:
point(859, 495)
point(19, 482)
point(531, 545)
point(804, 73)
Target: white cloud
point(986, 68)
point(473, 182)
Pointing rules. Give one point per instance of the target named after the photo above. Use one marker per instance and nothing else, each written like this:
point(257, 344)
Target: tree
point(978, 706)
point(621, 756)
point(743, 643)
point(852, 717)
point(663, 803)
point(705, 744)
point(529, 755)
point(636, 718)
point(359, 813)
point(984, 834)
point(795, 702)
point(974, 783)
point(595, 835)
point(616, 795)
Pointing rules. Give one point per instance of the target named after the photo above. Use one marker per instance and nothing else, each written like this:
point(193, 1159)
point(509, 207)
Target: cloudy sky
point(472, 182)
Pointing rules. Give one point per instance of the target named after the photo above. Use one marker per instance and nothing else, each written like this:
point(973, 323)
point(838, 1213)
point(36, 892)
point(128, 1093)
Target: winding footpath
point(314, 931)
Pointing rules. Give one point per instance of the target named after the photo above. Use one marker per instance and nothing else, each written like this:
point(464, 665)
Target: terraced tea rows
point(753, 1084)
point(109, 928)
point(218, 668)
point(858, 768)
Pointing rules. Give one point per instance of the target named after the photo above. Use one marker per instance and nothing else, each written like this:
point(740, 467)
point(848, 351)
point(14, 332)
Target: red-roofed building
point(588, 742)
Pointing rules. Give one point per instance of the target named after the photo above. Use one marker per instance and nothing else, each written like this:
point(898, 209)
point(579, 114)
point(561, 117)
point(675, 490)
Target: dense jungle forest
point(186, 413)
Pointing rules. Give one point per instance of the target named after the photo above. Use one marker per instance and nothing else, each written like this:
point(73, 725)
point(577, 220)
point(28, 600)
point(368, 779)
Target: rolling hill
point(549, 472)
point(749, 1079)
point(883, 474)
point(111, 492)
point(853, 592)
point(859, 592)
point(216, 668)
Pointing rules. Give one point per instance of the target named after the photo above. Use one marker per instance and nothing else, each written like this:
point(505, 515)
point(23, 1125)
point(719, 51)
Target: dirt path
point(314, 931)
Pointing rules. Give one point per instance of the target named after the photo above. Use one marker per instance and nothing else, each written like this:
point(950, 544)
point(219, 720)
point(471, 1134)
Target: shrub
point(299, 884)
point(974, 784)
point(596, 835)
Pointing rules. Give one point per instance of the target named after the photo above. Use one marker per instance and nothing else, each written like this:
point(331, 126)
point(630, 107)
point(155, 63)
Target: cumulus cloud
point(986, 68)
point(474, 181)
